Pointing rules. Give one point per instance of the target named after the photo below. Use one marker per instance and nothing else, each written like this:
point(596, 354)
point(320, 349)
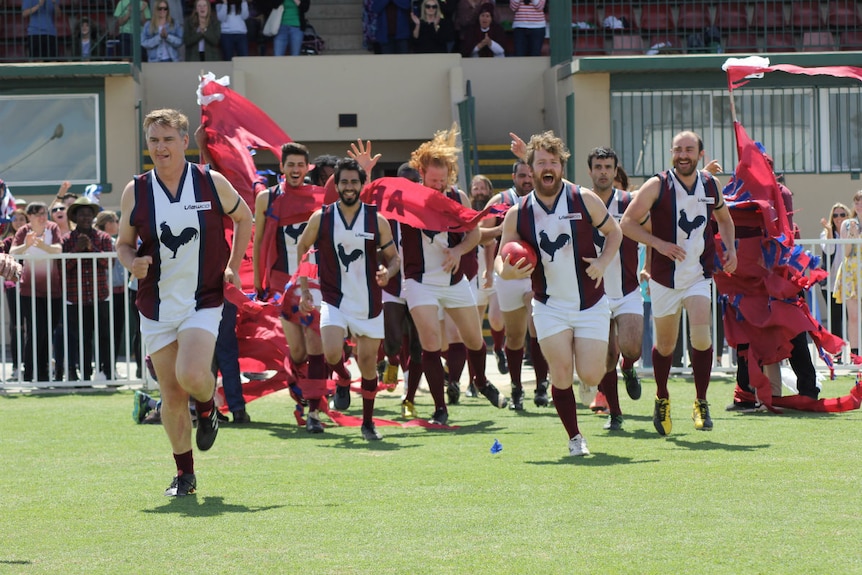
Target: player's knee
point(701, 337)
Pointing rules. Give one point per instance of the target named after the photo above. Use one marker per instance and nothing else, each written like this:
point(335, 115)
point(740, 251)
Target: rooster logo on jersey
point(348, 258)
point(174, 242)
point(688, 226)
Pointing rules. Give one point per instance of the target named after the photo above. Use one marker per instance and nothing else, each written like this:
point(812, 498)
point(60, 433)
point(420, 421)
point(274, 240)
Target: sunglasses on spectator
point(162, 8)
point(58, 209)
point(430, 6)
point(839, 215)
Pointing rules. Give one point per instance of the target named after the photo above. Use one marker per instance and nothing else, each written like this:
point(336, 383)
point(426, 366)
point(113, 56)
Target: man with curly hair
point(570, 310)
point(435, 282)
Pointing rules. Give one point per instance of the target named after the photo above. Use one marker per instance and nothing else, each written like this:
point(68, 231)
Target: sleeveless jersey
point(683, 217)
point(561, 236)
point(621, 276)
point(286, 239)
point(185, 236)
point(348, 261)
point(423, 254)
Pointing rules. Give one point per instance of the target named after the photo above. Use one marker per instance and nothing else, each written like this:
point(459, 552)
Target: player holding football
point(570, 309)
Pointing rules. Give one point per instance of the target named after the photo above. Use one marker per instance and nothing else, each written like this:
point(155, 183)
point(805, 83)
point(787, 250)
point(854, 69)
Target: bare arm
point(728, 234)
point(390, 254)
point(609, 227)
point(505, 268)
point(306, 241)
point(636, 217)
point(239, 212)
point(127, 239)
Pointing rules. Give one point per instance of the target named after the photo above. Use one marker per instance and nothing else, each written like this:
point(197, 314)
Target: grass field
point(82, 492)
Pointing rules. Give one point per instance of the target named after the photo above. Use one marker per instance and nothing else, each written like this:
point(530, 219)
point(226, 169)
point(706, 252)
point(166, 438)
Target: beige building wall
point(400, 102)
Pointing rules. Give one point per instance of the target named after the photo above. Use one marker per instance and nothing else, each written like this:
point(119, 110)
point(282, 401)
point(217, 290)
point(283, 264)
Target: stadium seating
point(628, 44)
point(585, 13)
point(624, 12)
point(656, 18)
point(589, 45)
point(740, 43)
point(850, 40)
point(843, 14)
point(817, 42)
point(806, 16)
point(768, 16)
point(693, 16)
point(780, 42)
point(731, 16)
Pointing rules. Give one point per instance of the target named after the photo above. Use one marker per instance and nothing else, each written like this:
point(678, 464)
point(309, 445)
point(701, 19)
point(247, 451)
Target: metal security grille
point(841, 132)
point(644, 123)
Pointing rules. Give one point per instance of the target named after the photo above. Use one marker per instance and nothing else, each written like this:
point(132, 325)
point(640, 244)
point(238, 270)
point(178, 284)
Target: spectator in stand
point(202, 35)
point(108, 222)
point(87, 43)
point(123, 14)
point(58, 215)
point(234, 33)
point(847, 278)
point(91, 305)
point(432, 33)
point(831, 262)
point(16, 326)
point(40, 286)
point(484, 38)
point(392, 26)
point(528, 26)
point(289, 37)
point(162, 36)
point(464, 16)
point(41, 31)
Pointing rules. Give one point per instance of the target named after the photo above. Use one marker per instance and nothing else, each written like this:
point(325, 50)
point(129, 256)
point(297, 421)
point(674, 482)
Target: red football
point(517, 250)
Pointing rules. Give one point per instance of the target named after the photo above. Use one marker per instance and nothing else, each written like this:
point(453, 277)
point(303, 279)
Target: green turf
point(82, 493)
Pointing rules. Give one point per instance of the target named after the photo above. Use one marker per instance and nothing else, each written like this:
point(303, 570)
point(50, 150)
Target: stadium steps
point(495, 162)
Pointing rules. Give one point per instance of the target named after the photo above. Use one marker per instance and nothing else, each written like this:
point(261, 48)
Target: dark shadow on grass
point(15, 562)
point(711, 445)
point(595, 460)
point(212, 506)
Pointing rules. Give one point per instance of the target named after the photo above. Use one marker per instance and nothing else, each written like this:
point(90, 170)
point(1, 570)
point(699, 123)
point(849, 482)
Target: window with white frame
point(841, 129)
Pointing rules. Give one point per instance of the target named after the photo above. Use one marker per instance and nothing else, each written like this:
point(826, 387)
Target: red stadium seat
point(769, 15)
point(656, 17)
point(806, 16)
point(63, 26)
point(818, 42)
point(693, 16)
point(741, 43)
point(14, 26)
point(850, 40)
point(585, 13)
point(623, 12)
point(843, 14)
point(628, 44)
point(589, 45)
point(16, 52)
point(731, 16)
point(781, 42)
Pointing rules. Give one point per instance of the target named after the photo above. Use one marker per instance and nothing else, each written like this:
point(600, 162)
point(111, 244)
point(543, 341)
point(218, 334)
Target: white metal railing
point(123, 367)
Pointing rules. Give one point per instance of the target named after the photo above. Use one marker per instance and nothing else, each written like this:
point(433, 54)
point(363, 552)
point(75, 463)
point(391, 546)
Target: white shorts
point(482, 295)
point(591, 323)
point(510, 293)
point(632, 303)
point(668, 301)
point(388, 297)
point(360, 327)
point(159, 334)
point(419, 294)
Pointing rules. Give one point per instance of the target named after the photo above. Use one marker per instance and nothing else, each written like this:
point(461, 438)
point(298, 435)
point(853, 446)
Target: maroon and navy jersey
point(347, 261)
point(423, 252)
point(561, 236)
point(185, 236)
point(621, 275)
point(683, 216)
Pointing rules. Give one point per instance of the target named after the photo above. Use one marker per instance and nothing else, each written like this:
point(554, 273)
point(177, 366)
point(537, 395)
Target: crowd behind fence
point(66, 350)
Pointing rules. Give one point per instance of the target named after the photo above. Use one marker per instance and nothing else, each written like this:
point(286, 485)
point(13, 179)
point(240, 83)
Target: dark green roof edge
point(31, 70)
point(701, 62)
